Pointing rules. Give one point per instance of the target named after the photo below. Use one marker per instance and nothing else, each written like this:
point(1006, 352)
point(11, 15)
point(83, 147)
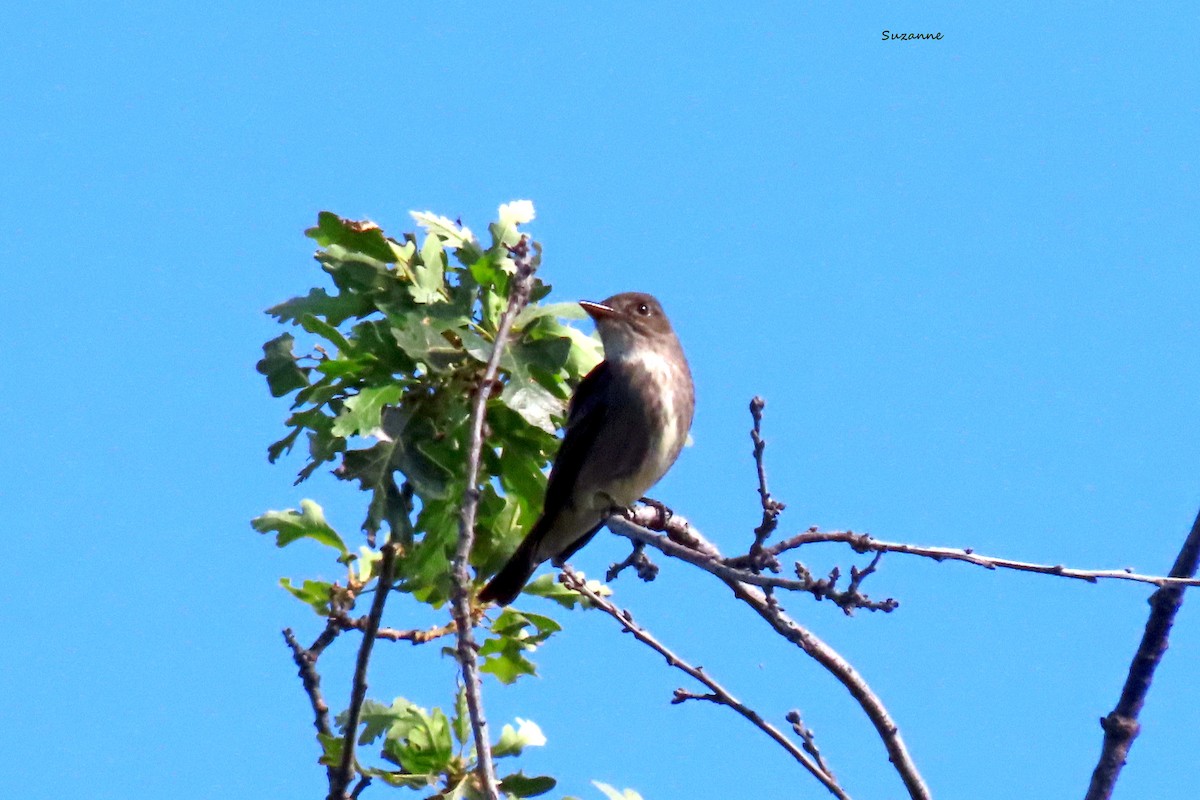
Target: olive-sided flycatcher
point(626, 424)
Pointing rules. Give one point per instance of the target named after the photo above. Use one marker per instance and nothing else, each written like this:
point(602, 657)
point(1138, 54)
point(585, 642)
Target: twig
point(742, 584)
point(325, 638)
point(851, 598)
point(416, 636)
point(1121, 726)
point(807, 738)
point(841, 669)
point(863, 543)
point(358, 688)
point(824, 588)
point(306, 662)
point(362, 784)
point(771, 507)
point(718, 695)
point(467, 650)
point(646, 569)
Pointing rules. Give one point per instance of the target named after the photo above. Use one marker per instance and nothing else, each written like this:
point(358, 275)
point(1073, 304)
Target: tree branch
point(306, 662)
point(719, 694)
point(821, 589)
point(1121, 726)
point(467, 650)
point(771, 508)
point(745, 588)
point(345, 622)
point(358, 688)
point(863, 543)
point(831, 660)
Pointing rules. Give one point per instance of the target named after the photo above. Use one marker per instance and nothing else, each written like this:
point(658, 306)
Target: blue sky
point(961, 272)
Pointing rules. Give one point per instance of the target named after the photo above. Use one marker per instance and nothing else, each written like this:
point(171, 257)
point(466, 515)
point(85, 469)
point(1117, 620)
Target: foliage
point(383, 394)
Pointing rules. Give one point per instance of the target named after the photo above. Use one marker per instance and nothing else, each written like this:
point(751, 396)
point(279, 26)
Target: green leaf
point(279, 366)
point(514, 740)
point(403, 431)
point(488, 272)
point(522, 786)
point(429, 278)
point(535, 405)
point(455, 234)
point(362, 414)
point(462, 717)
point(422, 746)
point(331, 749)
point(546, 586)
point(315, 593)
point(292, 525)
point(532, 313)
point(319, 327)
point(506, 663)
point(377, 719)
point(356, 237)
point(336, 309)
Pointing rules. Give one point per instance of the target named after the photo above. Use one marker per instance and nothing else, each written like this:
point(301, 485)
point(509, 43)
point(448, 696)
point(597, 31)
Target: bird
point(626, 423)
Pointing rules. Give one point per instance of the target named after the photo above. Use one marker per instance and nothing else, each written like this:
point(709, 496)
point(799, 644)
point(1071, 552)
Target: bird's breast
point(665, 386)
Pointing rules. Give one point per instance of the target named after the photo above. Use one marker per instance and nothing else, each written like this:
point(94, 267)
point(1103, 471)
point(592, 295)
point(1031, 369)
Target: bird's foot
point(664, 514)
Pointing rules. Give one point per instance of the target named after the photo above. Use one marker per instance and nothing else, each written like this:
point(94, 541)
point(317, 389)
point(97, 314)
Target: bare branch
point(1121, 726)
point(863, 543)
point(416, 636)
point(771, 508)
point(362, 784)
point(358, 688)
point(808, 738)
point(841, 669)
point(625, 525)
point(646, 569)
point(467, 650)
point(306, 662)
point(745, 588)
point(718, 694)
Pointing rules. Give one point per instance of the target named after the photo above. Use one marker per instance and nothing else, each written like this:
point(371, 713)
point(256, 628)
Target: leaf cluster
point(384, 391)
point(428, 749)
point(380, 391)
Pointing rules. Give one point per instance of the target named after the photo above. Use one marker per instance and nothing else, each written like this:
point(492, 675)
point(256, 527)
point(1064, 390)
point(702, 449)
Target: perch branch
point(745, 588)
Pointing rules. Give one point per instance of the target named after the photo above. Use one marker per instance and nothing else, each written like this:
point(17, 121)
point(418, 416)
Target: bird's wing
point(585, 419)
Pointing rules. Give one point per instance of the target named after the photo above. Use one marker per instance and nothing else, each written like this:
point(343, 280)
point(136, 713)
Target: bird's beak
point(597, 311)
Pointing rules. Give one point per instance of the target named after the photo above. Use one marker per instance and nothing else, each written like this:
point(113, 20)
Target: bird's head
point(628, 321)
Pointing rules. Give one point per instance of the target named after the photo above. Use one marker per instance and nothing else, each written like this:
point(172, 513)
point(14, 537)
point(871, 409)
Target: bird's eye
point(644, 310)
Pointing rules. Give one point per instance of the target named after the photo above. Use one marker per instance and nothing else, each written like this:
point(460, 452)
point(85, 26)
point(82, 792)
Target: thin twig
point(306, 662)
point(804, 582)
point(718, 695)
point(362, 784)
point(358, 688)
point(847, 675)
point(646, 569)
point(808, 739)
point(771, 508)
point(416, 636)
point(742, 584)
point(467, 650)
point(1121, 726)
point(325, 638)
point(863, 543)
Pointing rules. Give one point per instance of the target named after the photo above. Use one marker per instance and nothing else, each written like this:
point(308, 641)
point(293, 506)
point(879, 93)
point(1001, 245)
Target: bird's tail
point(512, 577)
